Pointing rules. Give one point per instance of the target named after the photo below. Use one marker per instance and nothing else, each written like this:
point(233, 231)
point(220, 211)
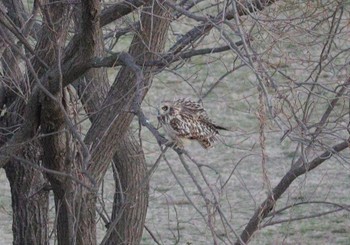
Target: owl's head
point(165, 108)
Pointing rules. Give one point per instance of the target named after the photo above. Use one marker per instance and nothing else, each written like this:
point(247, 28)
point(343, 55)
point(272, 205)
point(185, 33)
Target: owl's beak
point(158, 115)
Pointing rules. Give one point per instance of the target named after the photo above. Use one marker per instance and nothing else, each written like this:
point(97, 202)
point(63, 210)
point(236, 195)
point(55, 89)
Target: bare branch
point(266, 206)
point(118, 10)
point(195, 33)
point(316, 215)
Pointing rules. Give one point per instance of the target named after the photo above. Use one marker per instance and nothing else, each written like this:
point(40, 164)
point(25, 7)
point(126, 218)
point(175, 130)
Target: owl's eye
point(165, 108)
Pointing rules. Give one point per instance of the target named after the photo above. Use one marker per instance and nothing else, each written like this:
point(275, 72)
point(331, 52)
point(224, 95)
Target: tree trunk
point(112, 122)
point(74, 204)
point(131, 194)
point(130, 205)
point(29, 193)
point(29, 190)
point(129, 213)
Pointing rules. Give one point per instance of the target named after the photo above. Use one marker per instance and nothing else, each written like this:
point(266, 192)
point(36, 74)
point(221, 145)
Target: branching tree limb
point(266, 206)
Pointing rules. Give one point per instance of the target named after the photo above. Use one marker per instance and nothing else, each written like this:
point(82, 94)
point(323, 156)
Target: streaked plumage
point(185, 119)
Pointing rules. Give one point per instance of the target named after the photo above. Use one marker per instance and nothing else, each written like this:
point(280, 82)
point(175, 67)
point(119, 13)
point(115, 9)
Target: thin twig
point(152, 235)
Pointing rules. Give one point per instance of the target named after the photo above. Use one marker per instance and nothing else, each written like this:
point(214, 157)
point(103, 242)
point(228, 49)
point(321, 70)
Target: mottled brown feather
point(186, 119)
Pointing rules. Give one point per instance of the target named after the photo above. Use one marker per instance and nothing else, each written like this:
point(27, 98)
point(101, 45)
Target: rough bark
point(55, 141)
point(28, 186)
point(131, 201)
point(75, 204)
point(131, 196)
point(129, 212)
point(113, 121)
point(69, 196)
point(29, 195)
point(145, 46)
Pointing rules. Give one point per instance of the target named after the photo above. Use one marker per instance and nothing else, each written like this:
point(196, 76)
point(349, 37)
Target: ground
point(233, 171)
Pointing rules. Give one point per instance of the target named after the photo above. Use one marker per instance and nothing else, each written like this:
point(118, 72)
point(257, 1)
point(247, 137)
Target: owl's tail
point(221, 128)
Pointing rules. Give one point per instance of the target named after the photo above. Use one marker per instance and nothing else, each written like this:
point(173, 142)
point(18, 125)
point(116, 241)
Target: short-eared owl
point(185, 119)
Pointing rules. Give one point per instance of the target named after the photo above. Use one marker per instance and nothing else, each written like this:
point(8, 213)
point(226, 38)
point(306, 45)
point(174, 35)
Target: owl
point(184, 120)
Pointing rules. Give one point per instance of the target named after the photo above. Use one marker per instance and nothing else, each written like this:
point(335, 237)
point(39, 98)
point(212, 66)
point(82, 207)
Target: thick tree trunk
point(131, 194)
point(74, 204)
point(29, 193)
point(130, 203)
point(29, 190)
point(131, 200)
point(56, 157)
point(113, 121)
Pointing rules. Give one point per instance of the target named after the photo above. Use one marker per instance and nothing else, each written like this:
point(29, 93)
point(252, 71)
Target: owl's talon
point(174, 145)
point(178, 148)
